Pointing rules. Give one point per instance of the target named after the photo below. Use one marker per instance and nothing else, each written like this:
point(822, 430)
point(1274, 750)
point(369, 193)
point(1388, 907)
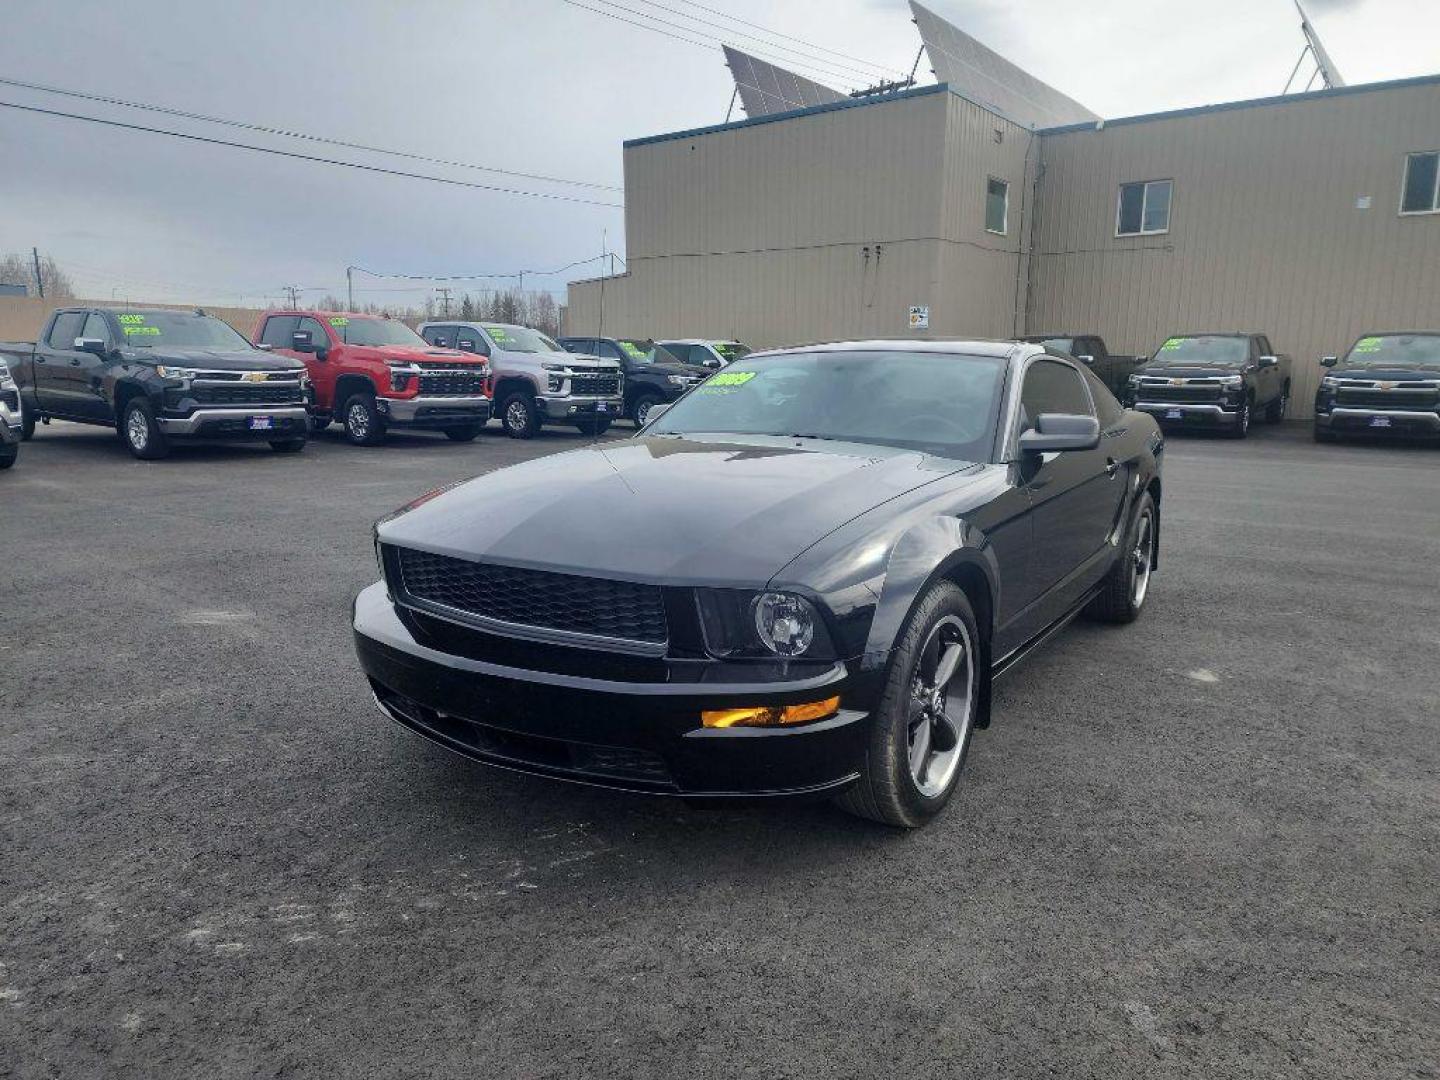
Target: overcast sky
point(534, 86)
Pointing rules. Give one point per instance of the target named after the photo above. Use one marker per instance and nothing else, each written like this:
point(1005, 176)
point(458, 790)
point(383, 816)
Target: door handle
point(1112, 467)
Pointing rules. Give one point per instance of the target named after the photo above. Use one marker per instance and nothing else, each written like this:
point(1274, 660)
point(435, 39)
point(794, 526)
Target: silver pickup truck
point(536, 381)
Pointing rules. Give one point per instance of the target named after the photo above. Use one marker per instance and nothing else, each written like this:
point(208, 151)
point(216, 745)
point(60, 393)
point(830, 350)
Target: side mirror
point(713, 363)
point(1088, 361)
point(1269, 361)
point(93, 345)
point(1054, 432)
point(465, 346)
point(302, 341)
point(655, 413)
point(265, 348)
point(1329, 361)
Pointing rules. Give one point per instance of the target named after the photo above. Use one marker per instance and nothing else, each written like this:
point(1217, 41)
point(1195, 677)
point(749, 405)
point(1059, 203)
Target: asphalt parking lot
point(1206, 844)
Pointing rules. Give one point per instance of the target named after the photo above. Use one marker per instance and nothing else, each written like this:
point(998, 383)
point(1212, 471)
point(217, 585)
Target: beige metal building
point(923, 213)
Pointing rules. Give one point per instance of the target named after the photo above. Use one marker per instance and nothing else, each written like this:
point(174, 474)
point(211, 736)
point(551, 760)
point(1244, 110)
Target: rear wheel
point(519, 416)
point(287, 446)
point(1128, 584)
point(141, 433)
point(364, 425)
point(1275, 411)
point(596, 425)
point(926, 716)
point(463, 434)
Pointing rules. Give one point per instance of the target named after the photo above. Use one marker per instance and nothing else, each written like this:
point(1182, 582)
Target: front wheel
point(519, 416)
point(1275, 411)
point(641, 410)
point(142, 435)
point(364, 426)
point(1242, 422)
point(27, 422)
point(287, 446)
point(1126, 586)
point(926, 716)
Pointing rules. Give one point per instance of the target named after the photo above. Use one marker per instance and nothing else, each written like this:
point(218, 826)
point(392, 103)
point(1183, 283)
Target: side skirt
point(1012, 659)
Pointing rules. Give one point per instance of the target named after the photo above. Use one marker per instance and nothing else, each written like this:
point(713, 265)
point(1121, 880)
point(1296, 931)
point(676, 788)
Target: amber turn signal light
point(770, 715)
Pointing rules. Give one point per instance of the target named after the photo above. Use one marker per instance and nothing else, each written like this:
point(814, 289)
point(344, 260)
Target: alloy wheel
point(940, 700)
point(1142, 559)
point(137, 430)
point(642, 411)
point(358, 421)
point(517, 417)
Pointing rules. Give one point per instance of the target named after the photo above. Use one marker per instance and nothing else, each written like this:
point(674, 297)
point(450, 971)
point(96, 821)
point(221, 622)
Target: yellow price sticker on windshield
point(1172, 343)
point(338, 321)
point(731, 378)
point(130, 320)
point(142, 330)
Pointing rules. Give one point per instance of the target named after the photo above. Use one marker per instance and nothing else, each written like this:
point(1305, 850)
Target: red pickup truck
point(372, 373)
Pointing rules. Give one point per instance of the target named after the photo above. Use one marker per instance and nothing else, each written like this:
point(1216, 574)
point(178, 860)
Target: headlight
point(1329, 383)
point(553, 367)
point(166, 372)
point(677, 380)
point(761, 626)
point(1134, 380)
point(400, 374)
point(304, 377)
point(1232, 380)
point(556, 383)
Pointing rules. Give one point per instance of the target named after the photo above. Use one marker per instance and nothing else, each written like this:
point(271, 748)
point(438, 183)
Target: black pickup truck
point(653, 376)
point(1388, 384)
point(1213, 381)
point(155, 376)
point(1113, 369)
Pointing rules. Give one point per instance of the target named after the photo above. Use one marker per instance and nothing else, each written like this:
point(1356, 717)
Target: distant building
point(14, 290)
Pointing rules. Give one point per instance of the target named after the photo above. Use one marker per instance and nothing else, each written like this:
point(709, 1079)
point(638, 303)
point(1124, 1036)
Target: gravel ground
point(1204, 845)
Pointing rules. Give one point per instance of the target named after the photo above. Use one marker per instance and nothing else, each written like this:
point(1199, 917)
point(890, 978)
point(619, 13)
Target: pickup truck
point(1213, 381)
point(9, 418)
point(373, 373)
point(536, 381)
point(704, 352)
point(1387, 384)
point(156, 376)
point(652, 374)
point(1113, 369)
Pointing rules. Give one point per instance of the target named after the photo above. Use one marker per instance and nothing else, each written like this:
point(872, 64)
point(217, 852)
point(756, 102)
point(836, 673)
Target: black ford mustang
point(799, 579)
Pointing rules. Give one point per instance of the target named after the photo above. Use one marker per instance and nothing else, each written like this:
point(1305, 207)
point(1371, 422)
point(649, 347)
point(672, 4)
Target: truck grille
point(452, 383)
point(565, 602)
point(597, 385)
point(1402, 397)
point(1161, 390)
point(247, 394)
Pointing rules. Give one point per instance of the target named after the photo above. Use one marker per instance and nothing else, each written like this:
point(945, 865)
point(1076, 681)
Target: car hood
point(1390, 373)
point(1188, 371)
point(569, 359)
point(694, 371)
point(411, 353)
point(733, 511)
point(214, 359)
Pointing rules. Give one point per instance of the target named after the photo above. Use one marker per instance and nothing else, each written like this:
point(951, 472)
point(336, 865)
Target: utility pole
point(444, 292)
point(39, 281)
point(293, 293)
point(349, 288)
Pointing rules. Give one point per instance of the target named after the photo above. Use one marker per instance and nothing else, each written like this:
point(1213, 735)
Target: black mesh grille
point(595, 384)
point(581, 605)
point(1201, 394)
point(246, 395)
point(454, 384)
point(1388, 399)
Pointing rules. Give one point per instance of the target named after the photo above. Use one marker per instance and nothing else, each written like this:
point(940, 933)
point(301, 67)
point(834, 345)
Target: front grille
point(565, 602)
point(249, 376)
point(11, 398)
point(452, 384)
point(246, 394)
point(1423, 397)
point(596, 385)
point(1202, 393)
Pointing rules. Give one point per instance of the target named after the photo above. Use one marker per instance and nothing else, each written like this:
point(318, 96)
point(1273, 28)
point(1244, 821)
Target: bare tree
point(20, 270)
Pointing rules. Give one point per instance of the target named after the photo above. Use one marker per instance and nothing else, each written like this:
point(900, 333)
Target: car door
point(469, 340)
point(57, 364)
point(1073, 495)
point(89, 374)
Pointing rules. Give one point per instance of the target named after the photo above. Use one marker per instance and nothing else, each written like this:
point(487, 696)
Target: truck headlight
point(400, 375)
point(183, 373)
point(677, 380)
point(1134, 380)
point(1329, 383)
point(1232, 380)
point(555, 383)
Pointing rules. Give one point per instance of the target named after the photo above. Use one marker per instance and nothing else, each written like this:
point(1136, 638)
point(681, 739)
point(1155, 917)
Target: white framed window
point(997, 206)
point(1420, 193)
point(1143, 208)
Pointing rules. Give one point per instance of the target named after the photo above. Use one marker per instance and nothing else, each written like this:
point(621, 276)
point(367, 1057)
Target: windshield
point(158, 329)
point(646, 352)
point(938, 403)
point(730, 350)
point(1225, 352)
point(1396, 351)
point(521, 339)
point(376, 332)
point(1062, 344)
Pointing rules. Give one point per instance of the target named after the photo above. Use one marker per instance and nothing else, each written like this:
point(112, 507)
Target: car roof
point(972, 346)
point(699, 341)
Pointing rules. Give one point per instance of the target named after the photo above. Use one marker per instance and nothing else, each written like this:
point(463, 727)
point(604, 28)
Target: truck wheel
point(1242, 422)
point(642, 408)
point(594, 426)
point(364, 425)
point(8, 454)
point(141, 433)
point(519, 416)
point(463, 434)
point(1123, 592)
point(27, 422)
point(1275, 411)
point(927, 714)
point(287, 446)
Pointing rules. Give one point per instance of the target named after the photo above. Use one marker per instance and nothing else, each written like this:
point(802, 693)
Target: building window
point(1422, 184)
point(1144, 208)
point(997, 205)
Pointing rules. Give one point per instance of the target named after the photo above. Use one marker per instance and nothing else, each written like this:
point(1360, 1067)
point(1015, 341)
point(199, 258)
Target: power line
point(480, 277)
point(301, 135)
point(310, 157)
point(788, 37)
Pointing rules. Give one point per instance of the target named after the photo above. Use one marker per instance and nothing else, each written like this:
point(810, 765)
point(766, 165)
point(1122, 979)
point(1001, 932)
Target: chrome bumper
point(189, 425)
point(445, 409)
point(1427, 419)
point(1215, 412)
point(559, 406)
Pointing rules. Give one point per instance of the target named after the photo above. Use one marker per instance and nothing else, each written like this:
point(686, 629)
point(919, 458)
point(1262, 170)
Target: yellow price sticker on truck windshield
point(130, 320)
point(731, 378)
point(338, 321)
point(142, 331)
point(1173, 343)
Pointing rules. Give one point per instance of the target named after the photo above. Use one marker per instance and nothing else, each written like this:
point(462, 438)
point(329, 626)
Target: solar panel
point(987, 78)
point(766, 89)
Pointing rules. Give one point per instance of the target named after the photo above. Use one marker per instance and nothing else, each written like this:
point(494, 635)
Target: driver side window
point(1052, 387)
point(318, 337)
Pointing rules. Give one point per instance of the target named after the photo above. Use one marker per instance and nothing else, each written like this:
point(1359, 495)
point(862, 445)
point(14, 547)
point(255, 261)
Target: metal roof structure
point(985, 77)
point(766, 90)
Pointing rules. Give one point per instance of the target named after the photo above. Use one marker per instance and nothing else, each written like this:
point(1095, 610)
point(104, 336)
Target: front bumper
point(435, 411)
point(234, 423)
point(1178, 412)
point(564, 409)
point(1343, 419)
point(637, 736)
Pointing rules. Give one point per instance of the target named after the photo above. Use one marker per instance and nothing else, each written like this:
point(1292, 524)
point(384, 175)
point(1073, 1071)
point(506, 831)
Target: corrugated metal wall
point(1264, 230)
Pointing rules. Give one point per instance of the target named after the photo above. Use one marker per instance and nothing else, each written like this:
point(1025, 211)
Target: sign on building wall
point(920, 317)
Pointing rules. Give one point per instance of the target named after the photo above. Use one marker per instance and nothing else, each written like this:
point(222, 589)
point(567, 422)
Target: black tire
point(463, 434)
point(8, 454)
point(364, 426)
point(519, 416)
point(1275, 411)
point(594, 426)
point(642, 405)
point(139, 431)
point(1324, 436)
point(287, 446)
point(888, 791)
point(1242, 422)
point(27, 422)
point(1122, 595)
point(318, 424)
